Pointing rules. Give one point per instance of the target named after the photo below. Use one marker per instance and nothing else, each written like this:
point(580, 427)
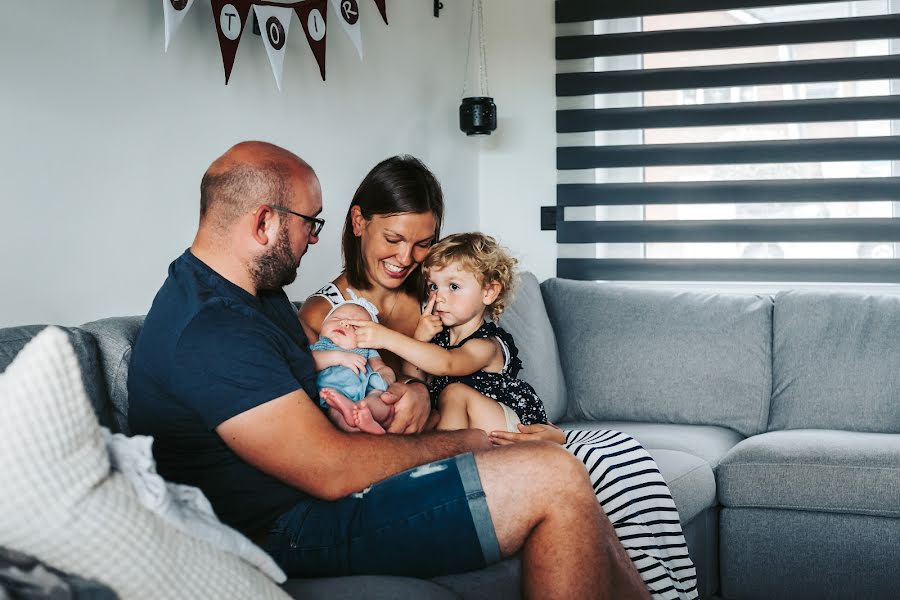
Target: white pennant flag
point(174, 11)
point(348, 13)
point(274, 22)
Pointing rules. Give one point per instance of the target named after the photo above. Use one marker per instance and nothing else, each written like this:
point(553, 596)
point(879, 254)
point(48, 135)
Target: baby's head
point(334, 329)
point(483, 257)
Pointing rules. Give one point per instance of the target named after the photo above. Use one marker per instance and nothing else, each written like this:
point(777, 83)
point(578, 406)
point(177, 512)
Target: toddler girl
point(469, 277)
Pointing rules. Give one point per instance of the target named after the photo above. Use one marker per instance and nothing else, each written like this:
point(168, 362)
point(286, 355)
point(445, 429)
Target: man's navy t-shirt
point(208, 351)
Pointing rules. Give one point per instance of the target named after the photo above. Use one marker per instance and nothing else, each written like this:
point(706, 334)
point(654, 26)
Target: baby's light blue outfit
point(342, 379)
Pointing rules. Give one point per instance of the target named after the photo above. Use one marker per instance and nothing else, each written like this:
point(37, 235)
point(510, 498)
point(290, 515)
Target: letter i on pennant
point(312, 17)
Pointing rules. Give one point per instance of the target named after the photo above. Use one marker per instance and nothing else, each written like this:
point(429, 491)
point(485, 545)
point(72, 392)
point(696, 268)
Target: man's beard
point(277, 268)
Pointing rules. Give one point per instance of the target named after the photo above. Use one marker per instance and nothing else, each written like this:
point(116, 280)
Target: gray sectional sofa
point(774, 419)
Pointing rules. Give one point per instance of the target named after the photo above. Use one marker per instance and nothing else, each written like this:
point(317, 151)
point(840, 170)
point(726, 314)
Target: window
point(739, 140)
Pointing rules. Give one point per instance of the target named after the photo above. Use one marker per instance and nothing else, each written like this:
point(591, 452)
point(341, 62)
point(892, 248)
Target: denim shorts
point(431, 520)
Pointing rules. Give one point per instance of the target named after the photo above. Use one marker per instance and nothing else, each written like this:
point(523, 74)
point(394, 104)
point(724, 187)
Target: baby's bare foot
point(340, 403)
point(365, 422)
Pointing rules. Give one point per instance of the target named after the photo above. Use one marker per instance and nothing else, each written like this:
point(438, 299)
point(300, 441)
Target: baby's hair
point(482, 256)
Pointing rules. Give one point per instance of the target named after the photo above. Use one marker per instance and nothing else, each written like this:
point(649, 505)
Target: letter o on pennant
point(275, 32)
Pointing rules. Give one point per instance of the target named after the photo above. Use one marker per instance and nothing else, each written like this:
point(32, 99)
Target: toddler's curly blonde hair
point(482, 256)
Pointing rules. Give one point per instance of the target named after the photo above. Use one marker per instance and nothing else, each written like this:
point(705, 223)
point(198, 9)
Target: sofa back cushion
point(13, 339)
point(836, 362)
point(115, 337)
point(527, 321)
point(662, 356)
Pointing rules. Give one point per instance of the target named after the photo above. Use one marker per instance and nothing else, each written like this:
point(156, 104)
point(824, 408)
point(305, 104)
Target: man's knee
point(565, 468)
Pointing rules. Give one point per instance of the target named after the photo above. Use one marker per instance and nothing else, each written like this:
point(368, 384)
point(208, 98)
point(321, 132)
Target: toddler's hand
point(429, 324)
point(369, 334)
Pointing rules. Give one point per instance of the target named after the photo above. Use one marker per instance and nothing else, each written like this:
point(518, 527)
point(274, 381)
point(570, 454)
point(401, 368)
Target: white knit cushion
point(60, 502)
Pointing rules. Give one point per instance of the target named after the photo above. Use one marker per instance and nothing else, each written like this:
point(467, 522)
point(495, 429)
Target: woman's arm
point(311, 314)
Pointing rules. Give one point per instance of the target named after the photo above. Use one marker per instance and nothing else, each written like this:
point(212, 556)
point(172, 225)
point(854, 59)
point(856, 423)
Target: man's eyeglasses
point(316, 225)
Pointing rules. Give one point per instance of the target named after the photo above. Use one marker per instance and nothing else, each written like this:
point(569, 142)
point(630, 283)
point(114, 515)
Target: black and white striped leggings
point(637, 501)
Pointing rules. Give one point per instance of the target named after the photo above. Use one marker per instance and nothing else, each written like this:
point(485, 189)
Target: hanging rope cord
point(478, 13)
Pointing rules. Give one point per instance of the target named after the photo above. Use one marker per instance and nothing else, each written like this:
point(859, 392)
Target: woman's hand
point(429, 324)
point(411, 407)
point(529, 433)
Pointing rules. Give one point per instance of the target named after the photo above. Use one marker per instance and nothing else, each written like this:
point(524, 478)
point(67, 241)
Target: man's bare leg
point(541, 502)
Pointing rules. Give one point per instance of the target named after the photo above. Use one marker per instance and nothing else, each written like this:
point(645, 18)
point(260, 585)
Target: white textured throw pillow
point(60, 502)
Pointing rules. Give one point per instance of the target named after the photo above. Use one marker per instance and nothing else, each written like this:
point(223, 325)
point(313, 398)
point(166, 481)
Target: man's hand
point(529, 433)
point(429, 324)
point(369, 334)
point(333, 358)
point(411, 407)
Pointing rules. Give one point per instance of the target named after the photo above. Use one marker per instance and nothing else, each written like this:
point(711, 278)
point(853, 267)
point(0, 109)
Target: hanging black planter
point(478, 115)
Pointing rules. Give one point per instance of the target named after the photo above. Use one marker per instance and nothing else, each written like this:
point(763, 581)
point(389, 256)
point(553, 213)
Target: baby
point(351, 379)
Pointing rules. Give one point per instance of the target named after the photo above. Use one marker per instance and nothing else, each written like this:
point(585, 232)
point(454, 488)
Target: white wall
point(517, 165)
point(104, 138)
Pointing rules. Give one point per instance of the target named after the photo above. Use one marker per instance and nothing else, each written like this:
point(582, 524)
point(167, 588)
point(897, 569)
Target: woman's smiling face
point(393, 245)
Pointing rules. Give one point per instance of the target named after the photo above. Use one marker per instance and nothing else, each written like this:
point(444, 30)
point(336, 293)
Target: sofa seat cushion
point(499, 581)
point(372, 587)
point(709, 442)
point(815, 470)
point(690, 479)
point(663, 356)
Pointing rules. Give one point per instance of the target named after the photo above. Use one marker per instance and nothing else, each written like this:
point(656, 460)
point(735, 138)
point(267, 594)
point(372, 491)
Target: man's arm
point(291, 439)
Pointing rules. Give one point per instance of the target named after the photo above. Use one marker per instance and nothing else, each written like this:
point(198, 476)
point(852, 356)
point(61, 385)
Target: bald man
point(222, 377)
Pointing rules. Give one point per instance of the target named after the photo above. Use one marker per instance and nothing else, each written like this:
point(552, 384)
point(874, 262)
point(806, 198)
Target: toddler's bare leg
point(452, 408)
point(462, 407)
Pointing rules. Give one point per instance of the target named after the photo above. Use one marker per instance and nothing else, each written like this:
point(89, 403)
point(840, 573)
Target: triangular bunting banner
point(382, 9)
point(274, 23)
point(231, 18)
point(174, 11)
point(312, 17)
point(348, 15)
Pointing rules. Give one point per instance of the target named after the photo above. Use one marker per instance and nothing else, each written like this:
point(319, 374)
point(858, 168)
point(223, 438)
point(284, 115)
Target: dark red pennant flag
point(231, 18)
point(382, 9)
point(312, 17)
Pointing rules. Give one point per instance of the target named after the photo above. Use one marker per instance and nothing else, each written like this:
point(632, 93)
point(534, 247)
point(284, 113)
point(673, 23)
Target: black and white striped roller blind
point(789, 148)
